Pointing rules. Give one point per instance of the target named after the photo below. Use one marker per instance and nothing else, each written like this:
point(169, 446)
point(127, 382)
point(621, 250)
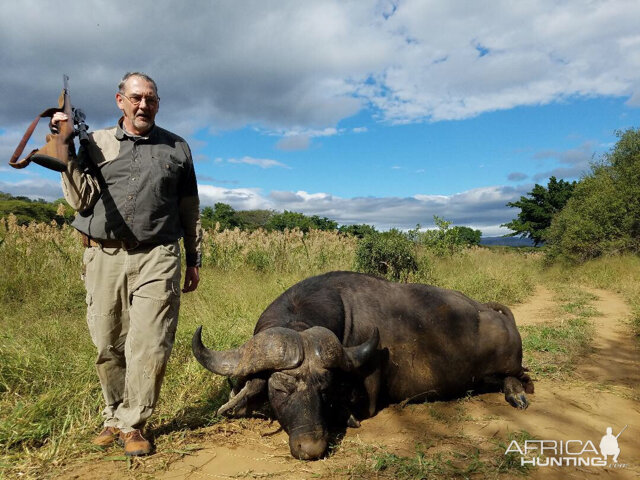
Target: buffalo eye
point(322, 381)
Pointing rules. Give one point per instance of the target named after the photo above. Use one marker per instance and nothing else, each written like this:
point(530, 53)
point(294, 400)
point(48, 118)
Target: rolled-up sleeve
point(80, 188)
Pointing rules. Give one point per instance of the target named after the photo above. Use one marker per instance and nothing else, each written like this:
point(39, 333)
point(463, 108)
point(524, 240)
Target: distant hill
point(507, 241)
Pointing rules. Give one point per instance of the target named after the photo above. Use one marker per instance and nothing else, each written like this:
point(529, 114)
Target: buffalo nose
point(307, 447)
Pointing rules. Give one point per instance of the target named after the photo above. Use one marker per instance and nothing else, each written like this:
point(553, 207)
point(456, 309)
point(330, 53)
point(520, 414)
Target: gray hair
point(144, 76)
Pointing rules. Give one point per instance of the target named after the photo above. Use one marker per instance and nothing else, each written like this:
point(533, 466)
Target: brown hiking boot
point(135, 444)
point(106, 437)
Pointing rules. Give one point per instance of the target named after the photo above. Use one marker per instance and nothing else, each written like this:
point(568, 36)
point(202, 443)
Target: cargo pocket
point(87, 257)
point(155, 308)
point(172, 249)
point(91, 317)
point(158, 303)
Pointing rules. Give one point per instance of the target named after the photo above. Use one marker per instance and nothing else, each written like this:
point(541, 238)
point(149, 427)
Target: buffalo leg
point(513, 388)
point(514, 393)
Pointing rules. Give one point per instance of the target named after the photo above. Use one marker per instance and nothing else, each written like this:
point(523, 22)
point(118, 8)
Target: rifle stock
point(55, 153)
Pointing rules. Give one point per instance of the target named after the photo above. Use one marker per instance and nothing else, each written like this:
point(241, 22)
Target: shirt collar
point(121, 133)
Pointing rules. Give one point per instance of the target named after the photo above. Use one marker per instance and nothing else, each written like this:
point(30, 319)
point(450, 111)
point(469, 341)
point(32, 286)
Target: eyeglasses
point(135, 100)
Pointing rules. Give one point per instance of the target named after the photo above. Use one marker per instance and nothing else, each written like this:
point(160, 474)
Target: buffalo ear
point(355, 357)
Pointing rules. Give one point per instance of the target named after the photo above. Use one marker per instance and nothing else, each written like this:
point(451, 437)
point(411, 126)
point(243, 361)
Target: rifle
point(625, 427)
point(55, 153)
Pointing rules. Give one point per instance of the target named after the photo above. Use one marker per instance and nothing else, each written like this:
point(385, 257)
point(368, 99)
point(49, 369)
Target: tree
point(27, 210)
point(445, 239)
point(538, 208)
point(291, 220)
point(467, 235)
point(390, 254)
point(254, 219)
point(358, 230)
point(323, 223)
point(222, 214)
point(603, 214)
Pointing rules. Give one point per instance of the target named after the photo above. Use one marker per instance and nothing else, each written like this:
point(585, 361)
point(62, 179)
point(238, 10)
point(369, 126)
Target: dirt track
point(599, 395)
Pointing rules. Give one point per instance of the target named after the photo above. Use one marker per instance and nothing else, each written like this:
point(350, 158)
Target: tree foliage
point(222, 214)
point(358, 230)
point(538, 208)
point(603, 215)
point(446, 239)
point(254, 219)
point(389, 254)
point(290, 220)
point(27, 210)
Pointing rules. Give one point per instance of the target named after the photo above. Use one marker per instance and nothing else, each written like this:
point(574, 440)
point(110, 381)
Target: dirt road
point(603, 392)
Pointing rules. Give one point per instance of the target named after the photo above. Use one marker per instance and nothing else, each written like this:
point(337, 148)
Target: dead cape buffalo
point(341, 345)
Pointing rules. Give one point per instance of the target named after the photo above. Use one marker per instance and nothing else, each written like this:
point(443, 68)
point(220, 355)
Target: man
point(609, 445)
point(135, 191)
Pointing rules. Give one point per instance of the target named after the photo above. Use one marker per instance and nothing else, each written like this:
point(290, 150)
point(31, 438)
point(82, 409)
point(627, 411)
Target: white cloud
point(294, 142)
point(238, 198)
point(516, 176)
point(482, 208)
point(260, 162)
point(301, 65)
point(34, 188)
point(574, 162)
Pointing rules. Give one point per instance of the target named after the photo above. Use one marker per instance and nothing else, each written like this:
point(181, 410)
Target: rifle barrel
point(625, 427)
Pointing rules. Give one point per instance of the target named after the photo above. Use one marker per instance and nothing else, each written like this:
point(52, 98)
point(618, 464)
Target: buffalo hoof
point(352, 422)
point(517, 400)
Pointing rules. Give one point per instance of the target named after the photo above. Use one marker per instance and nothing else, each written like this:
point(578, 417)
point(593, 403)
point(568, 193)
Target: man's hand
point(57, 118)
point(191, 279)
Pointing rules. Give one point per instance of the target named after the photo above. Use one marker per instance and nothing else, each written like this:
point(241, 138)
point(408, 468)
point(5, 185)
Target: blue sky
point(374, 112)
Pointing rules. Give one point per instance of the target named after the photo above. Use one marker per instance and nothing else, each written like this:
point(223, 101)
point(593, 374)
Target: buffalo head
point(297, 368)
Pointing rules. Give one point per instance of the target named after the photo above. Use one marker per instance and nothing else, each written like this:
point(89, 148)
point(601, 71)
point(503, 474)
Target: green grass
point(551, 349)
point(464, 460)
point(510, 462)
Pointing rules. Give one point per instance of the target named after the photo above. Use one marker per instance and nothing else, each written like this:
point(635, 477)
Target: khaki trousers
point(133, 298)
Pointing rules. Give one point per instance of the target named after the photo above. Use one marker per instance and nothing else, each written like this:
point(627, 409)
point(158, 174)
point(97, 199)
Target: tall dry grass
point(505, 276)
point(287, 251)
point(619, 273)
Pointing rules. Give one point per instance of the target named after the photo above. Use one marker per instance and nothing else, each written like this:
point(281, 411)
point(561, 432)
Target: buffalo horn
point(272, 349)
point(355, 357)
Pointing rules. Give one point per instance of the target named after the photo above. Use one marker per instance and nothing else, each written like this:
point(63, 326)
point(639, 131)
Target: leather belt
point(87, 242)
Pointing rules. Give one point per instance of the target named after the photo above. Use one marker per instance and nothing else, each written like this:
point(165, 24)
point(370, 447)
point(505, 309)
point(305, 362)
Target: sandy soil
point(599, 395)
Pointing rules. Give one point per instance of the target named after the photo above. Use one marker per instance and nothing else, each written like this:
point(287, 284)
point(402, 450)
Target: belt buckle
point(130, 244)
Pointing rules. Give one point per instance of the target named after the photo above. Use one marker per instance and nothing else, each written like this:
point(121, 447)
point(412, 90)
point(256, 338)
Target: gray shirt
point(138, 189)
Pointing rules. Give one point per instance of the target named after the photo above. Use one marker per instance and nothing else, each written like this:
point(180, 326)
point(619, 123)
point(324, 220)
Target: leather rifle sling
point(14, 162)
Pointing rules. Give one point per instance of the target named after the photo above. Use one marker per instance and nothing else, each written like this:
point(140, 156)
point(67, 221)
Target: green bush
point(603, 215)
point(446, 240)
point(389, 254)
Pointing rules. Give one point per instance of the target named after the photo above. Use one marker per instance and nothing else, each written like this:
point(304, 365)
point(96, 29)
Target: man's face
point(138, 119)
